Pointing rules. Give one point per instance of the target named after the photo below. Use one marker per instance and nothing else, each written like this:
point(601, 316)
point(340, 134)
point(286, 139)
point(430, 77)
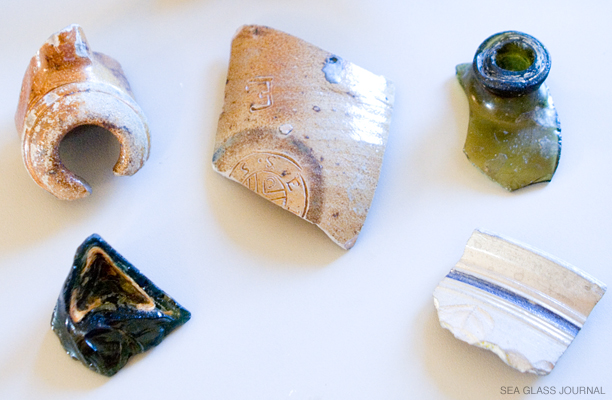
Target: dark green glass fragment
point(108, 311)
point(514, 134)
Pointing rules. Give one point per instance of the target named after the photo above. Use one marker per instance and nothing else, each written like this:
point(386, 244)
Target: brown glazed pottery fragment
point(303, 128)
point(65, 86)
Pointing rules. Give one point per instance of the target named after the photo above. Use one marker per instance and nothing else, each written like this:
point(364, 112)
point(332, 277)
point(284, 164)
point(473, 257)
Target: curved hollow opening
point(90, 152)
point(515, 56)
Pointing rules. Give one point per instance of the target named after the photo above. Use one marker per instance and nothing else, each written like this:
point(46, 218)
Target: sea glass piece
point(68, 85)
point(108, 311)
point(523, 305)
point(303, 128)
point(514, 134)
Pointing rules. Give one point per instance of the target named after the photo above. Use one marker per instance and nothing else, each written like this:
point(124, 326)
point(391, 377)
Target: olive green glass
point(515, 139)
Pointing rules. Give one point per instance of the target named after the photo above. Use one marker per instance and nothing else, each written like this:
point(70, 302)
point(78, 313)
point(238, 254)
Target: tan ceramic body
point(310, 145)
point(65, 86)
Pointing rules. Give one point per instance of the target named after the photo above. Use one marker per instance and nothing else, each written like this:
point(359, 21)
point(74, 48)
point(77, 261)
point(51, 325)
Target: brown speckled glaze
point(65, 86)
point(303, 128)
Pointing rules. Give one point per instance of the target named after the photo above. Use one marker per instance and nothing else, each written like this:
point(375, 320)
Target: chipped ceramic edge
point(502, 296)
point(92, 91)
point(549, 257)
point(340, 103)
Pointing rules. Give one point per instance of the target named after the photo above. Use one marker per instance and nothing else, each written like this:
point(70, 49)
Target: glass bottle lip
point(511, 80)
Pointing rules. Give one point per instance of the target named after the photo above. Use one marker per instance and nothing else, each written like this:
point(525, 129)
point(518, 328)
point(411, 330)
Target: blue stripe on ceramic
point(516, 299)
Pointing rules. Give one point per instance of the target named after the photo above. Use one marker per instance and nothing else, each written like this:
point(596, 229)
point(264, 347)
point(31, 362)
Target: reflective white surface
point(279, 311)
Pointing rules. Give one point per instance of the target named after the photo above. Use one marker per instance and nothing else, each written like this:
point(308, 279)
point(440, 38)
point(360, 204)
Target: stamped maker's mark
point(262, 86)
point(276, 177)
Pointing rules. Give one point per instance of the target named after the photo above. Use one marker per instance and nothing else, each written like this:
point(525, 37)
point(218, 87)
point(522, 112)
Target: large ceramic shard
point(303, 128)
point(523, 305)
point(514, 134)
point(108, 311)
point(65, 86)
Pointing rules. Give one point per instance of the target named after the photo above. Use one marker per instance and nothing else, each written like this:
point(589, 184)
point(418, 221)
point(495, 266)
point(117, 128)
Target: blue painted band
point(518, 300)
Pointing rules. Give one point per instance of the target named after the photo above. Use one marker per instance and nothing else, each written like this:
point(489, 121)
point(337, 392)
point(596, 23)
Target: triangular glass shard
point(108, 311)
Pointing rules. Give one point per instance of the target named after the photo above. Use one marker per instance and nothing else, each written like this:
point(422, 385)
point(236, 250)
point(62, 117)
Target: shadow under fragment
point(463, 371)
point(29, 213)
point(261, 227)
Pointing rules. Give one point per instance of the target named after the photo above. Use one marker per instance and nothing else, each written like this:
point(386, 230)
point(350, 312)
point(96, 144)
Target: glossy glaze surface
point(65, 86)
point(524, 305)
point(279, 310)
point(303, 128)
point(108, 311)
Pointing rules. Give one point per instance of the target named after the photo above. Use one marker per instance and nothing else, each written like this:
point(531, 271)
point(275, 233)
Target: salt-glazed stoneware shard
point(65, 86)
point(521, 304)
point(303, 128)
point(514, 134)
point(108, 311)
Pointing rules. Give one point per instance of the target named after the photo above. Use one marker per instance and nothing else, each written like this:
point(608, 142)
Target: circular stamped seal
point(276, 177)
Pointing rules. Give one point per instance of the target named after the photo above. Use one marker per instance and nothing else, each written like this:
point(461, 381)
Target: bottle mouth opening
point(515, 57)
point(511, 64)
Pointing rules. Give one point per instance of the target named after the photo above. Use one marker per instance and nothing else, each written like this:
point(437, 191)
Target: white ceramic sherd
point(522, 304)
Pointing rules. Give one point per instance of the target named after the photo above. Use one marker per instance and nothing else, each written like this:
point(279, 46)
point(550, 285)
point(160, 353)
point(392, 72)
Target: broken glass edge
point(72, 334)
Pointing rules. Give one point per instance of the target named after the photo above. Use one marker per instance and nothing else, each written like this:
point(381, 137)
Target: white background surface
point(279, 311)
